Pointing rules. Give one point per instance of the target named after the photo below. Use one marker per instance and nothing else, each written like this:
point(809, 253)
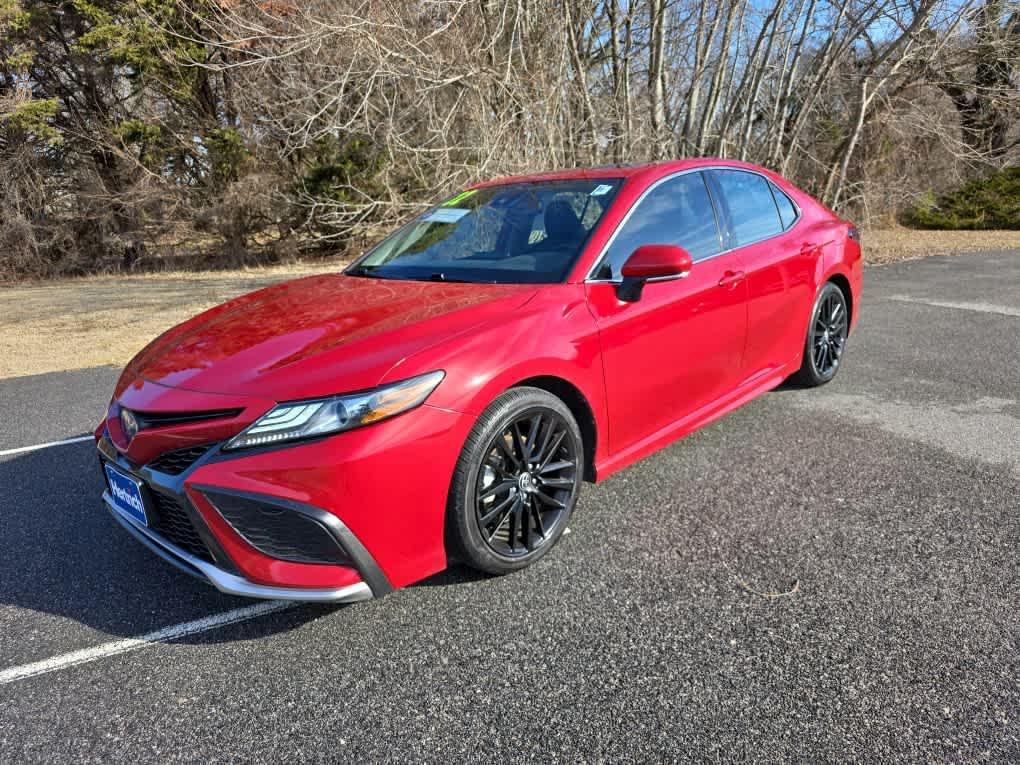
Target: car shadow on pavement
point(63, 555)
point(789, 384)
point(454, 575)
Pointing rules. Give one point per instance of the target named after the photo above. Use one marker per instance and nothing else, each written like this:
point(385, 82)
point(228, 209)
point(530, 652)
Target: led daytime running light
point(318, 417)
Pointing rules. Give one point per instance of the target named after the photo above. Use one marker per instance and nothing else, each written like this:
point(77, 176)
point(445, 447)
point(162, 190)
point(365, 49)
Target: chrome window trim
point(670, 278)
point(590, 278)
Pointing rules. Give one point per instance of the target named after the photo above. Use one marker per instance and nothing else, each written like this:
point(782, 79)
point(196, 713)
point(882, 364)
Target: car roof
point(653, 169)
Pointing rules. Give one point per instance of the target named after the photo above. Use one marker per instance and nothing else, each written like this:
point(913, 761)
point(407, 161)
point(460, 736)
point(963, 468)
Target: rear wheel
point(826, 338)
point(516, 481)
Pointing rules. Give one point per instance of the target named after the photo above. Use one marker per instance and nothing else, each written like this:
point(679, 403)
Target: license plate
point(127, 494)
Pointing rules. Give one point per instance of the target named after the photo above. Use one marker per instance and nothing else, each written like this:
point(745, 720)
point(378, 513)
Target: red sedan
point(334, 437)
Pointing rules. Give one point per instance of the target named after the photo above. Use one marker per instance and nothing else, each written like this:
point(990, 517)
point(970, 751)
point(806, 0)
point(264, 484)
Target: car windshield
point(517, 233)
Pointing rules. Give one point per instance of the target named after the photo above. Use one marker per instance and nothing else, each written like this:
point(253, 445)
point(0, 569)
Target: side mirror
point(652, 262)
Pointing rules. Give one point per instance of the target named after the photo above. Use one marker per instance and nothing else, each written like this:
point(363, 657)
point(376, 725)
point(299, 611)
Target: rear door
point(679, 346)
point(780, 266)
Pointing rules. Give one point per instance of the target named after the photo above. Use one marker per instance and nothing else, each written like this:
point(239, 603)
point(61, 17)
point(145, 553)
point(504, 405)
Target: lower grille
point(279, 532)
point(174, 523)
point(177, 461)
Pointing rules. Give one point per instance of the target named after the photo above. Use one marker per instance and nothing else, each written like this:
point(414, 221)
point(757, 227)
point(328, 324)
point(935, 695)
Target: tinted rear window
point(752, 208)
point(787, 212)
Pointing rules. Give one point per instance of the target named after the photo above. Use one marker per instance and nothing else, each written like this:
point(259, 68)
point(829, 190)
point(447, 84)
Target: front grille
point(179, 460)
point(279, 532)
point(165, 419)
point(174, 523)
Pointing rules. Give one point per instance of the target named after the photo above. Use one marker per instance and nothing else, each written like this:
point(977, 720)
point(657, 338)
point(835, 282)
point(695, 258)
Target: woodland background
point(143, 133)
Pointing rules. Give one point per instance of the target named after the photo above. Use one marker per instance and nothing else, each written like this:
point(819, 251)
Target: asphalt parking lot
point(822, 575)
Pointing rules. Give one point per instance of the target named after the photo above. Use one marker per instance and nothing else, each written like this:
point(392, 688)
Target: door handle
point(731, 278)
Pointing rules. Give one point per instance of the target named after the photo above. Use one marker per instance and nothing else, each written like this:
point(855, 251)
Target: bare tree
point(273, 121)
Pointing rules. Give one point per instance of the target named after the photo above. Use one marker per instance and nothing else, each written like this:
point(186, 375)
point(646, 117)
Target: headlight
point(322, 416)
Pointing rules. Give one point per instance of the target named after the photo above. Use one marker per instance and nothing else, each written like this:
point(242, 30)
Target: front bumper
point(380, 492)
point(202, 553)
point(223, 580)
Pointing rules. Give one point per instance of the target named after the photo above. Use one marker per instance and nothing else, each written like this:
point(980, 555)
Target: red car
point(334, 437)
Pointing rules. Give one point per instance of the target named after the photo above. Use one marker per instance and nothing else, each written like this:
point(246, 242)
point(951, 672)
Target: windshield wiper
point(438, 276)
point(441, 277)
point(368, 271)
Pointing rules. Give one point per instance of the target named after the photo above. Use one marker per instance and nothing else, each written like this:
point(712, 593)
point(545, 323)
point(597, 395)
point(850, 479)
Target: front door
point(679, 347)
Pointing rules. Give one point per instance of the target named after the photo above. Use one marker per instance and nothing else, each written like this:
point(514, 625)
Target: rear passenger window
point(787, 212)
point(753, 211)
point(677, 211)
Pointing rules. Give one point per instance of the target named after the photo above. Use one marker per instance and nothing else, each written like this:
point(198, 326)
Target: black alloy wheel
point(517, 481)
point(526, 482)
point(826, 337)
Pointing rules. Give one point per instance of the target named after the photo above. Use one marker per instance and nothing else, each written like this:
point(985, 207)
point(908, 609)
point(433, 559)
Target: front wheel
point(826, 338)
point(516, 482)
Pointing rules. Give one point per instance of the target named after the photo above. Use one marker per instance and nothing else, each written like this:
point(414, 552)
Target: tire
point(497, 520)
point(826, 338)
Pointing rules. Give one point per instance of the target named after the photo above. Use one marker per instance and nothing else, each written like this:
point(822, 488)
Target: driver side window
point(678, 211)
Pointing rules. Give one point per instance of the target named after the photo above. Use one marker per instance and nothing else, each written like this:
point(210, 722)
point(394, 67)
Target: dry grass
point(891, 245)
point(54, 326)
point(78, 323)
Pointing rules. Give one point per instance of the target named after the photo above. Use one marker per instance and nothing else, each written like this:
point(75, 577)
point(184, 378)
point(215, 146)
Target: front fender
point(553, 335)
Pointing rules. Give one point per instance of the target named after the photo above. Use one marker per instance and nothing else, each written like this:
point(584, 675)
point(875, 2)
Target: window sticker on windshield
point(460, 198)
point(602, 188)
point(446, 215)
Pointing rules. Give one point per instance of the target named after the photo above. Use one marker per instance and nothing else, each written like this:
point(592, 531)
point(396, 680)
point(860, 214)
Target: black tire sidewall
point(809, 374)
point(464, 538)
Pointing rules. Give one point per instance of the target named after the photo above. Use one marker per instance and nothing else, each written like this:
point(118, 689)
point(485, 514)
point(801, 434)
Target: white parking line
point(167, 634)
point(23, 449)
point(1005, 310)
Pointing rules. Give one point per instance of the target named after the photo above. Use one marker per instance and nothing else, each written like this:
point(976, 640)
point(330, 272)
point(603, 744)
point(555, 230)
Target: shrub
point(992, 202)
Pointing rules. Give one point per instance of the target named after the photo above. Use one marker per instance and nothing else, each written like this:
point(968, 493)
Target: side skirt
point(697, 419)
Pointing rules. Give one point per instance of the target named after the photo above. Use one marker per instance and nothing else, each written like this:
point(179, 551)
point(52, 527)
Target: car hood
point(317, 336)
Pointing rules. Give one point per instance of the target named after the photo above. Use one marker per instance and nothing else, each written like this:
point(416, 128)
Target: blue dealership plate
point(127, 494)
